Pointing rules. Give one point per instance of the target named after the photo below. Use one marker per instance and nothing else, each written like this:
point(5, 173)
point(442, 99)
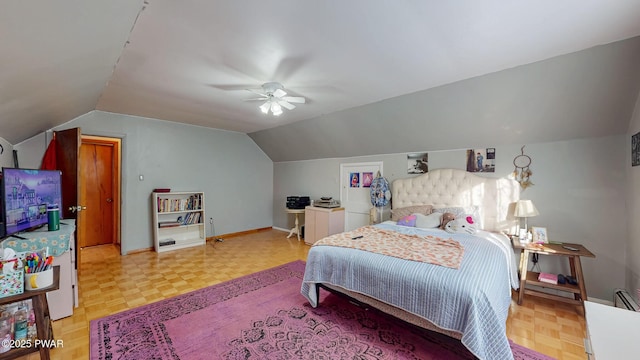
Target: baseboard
point(240, 233)
point(281, 229)
point(137, 251)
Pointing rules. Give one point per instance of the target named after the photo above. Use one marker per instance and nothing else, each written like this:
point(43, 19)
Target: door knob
point(77, 208)
point(109, 200)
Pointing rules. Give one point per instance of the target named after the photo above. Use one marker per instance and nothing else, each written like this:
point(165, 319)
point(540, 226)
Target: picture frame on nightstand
point(539, 235)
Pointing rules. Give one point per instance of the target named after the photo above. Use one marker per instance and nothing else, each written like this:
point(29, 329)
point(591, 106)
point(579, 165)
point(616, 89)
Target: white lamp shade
point(525, 208)
point(265, 107)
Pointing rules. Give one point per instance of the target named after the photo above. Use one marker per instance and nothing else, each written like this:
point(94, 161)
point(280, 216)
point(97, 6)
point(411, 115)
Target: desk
point(296, 228)
point(43, 320)
point(529, 277)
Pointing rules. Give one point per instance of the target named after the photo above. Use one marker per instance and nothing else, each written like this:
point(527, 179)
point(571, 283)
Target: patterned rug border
point(151, 317)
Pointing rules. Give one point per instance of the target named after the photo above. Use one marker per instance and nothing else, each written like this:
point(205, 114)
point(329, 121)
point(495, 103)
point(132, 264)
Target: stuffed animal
point(446, 217)
point(463, 225)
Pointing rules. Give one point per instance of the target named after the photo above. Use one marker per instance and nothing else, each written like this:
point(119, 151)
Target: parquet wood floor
point(110, 283)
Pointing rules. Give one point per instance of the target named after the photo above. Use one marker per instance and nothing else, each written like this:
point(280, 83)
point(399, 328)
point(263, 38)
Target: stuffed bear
point(463, 225)
point(446, 217)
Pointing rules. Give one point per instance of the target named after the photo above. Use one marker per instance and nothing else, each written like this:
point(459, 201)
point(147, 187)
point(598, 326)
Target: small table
point(43, 319)
point(296, 228)
point(530, 277)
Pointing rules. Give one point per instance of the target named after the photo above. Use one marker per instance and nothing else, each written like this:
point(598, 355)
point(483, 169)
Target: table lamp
point(525, 209)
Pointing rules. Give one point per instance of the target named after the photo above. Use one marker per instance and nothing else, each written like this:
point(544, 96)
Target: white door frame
point(344, 182)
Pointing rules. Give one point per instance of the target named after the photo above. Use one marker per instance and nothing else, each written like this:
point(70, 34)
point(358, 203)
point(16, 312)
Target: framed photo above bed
point(417, 163)
point(481, 160)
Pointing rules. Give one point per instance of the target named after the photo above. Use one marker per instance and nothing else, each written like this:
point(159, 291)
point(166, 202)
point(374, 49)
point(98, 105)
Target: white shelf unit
point(178, 217)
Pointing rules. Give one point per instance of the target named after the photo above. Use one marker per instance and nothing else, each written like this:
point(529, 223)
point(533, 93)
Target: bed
point(470, 302)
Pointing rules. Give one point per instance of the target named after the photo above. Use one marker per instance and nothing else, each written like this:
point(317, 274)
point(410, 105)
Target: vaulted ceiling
point(192, 61)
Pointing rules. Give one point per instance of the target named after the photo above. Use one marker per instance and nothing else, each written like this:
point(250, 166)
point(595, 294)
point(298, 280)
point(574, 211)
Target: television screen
point(26, 195)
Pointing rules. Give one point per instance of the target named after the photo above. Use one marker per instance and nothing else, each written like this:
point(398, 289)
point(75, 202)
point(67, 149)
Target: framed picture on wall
point(481, 160)
point(417, 163)
point(635, 149)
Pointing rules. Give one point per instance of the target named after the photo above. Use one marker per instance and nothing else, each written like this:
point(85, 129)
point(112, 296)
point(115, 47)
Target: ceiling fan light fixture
point(265, 107)
point(276, 109)
point(275, 99)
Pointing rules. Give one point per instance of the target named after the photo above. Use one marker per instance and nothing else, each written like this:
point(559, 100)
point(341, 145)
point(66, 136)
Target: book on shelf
point(193, 202)
point(548, 278)
point(167, 242)
point(164, 224)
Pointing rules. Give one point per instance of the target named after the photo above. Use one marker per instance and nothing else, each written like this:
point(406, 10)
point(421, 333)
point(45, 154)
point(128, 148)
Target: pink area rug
point(263, 316)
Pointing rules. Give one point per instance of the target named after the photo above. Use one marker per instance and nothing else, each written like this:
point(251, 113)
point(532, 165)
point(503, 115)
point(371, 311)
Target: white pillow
point(432, 220)
point(455, 210)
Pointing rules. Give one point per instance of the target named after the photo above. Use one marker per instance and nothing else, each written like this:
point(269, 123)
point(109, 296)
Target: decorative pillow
point(446, 217)
point(397, 214)
point(463, 225)
point(432, 220)
point(409, 220)
point(459, 211)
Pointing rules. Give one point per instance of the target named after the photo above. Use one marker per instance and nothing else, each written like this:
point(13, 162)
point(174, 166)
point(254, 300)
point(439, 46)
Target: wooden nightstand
point(529, 277)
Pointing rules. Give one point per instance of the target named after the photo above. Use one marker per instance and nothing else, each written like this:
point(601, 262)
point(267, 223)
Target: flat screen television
point(26, 193)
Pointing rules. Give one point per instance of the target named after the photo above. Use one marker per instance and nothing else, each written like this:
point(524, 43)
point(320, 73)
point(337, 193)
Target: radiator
point(622, 299)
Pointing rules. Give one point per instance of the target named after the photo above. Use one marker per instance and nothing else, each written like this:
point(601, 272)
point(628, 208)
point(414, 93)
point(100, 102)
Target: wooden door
point(67, 160)
point(99, 186)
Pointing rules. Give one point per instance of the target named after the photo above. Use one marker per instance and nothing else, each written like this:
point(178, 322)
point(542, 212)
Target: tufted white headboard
point(493, 198)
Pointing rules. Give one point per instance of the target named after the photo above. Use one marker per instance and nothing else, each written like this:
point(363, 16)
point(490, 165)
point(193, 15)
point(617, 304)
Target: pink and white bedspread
point(424, 248)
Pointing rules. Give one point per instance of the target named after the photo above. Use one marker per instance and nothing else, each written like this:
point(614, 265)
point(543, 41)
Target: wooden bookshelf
point(178, 220)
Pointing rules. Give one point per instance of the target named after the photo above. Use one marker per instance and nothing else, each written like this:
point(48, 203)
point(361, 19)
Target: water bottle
point(53, 213)
point(20, 324)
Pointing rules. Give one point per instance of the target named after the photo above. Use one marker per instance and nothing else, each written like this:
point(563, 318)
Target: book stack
point(548, 278)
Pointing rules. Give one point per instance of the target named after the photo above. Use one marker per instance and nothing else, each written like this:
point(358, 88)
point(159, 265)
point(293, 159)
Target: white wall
point(580, 191)
point(6, 158)
point(633, 207)
point(235, 175)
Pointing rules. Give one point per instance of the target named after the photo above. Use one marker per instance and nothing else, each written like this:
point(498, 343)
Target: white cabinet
point(612, 332)
point(322, 222)
point(178, 220)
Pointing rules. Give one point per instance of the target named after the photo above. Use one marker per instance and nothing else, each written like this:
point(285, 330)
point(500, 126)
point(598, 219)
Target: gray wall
point(6, 158)
point(580, 191)
point(585, 94)
point(633, 208)
point(235, 175)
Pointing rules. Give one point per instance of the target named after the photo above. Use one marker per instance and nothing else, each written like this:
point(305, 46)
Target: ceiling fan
point(275, 98)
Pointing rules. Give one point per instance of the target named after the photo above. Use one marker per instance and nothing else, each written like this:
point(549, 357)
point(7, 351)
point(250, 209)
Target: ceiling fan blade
point(254, 99)
point(286, 105)
point(257, 92)
point(279, 93)
point(294, 99)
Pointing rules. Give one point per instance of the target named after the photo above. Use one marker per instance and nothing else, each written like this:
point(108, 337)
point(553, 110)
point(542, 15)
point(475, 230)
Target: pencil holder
point(38, 280)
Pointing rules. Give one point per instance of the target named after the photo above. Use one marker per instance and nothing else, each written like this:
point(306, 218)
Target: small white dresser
point(612, 333)
point(322, 222)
